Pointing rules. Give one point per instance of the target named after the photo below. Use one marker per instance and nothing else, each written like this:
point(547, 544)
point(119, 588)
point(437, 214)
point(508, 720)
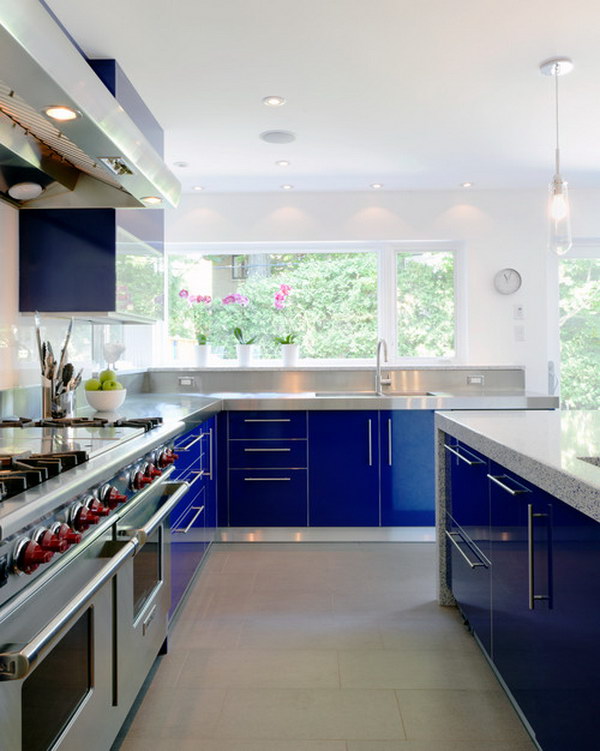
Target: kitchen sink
point(355, 394)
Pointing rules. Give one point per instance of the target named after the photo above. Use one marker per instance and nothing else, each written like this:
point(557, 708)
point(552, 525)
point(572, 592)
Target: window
point(579, 287)
point(336, 303)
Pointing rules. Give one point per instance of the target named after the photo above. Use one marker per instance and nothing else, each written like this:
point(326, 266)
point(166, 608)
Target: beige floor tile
point(284, 631)
point(405, 669)
point(441, 630)
point(321, 714)
point(459, 715)
point(444, 745)
point(198, 632)
point(269, 603)
point(260, 668)
point(228, 745)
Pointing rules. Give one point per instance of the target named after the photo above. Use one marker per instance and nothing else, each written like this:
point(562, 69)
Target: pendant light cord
point(557, 150)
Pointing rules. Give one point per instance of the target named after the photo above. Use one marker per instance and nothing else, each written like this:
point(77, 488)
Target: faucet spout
point(379, 380)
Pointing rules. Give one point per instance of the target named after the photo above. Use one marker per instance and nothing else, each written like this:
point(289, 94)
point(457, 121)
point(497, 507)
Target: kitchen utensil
point(63, 352)
point(38, 337)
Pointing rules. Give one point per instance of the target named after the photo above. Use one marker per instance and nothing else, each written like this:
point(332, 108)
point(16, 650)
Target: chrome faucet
point(379, 381)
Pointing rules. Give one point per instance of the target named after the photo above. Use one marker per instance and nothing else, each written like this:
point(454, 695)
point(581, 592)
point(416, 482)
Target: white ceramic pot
point(244, 353)
point(201, 355)
point(289, 355)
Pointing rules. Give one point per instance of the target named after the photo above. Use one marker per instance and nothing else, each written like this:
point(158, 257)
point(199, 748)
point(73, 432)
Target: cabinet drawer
point(267, 424)
point(267, 498)
point(269, 453)
point(189, 513)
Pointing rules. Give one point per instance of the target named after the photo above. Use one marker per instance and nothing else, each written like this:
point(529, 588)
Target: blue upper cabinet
point(407, 468)
point(344, 469)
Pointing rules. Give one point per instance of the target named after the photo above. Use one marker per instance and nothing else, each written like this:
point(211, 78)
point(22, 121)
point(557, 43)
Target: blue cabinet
point(407, 468)
point(343, 451)
point(468, 535)
point(267, 469)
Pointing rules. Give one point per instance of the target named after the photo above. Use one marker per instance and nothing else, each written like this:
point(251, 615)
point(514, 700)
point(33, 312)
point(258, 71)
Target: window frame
point(386, 253)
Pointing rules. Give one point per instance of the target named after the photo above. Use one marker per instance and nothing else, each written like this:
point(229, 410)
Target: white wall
point(495, 229)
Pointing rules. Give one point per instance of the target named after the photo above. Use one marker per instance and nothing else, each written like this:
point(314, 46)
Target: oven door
point(144, 592)
point(56, 684)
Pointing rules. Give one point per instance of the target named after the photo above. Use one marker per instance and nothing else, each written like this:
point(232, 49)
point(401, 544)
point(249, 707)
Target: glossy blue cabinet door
point(343, 461)
point(545, 629)
point(407, 468)
point(467, 526)
point(210, 447)
point(267, 497)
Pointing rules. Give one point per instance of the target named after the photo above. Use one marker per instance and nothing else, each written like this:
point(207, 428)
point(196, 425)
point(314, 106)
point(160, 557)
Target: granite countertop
point(544, 447)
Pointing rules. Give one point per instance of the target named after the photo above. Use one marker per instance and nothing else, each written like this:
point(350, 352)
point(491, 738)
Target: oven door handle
point(177, 490)
point(17, 665)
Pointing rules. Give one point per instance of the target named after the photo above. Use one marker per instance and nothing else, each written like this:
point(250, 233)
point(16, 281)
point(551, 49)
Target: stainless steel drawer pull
point(209, 474)
point(266, 479)
point(185, 530)
point(453, 450)
point(148, 620)
point(451, 536)
point(190, 444)
point(199, 475)
point(498, 480)
point(531, 556)
point(389, 443)
point(370, 438)
point(256, 451)
point(268, 419)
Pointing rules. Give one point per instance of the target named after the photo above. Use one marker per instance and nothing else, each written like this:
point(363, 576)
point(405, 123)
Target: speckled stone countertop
point(544, 447)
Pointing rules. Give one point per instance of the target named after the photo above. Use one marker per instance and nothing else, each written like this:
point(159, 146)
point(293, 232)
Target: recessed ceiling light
point(277, 136)
point(466, 185)
point(282, 163)
point(376, 186)
point(274, 101)
point(287, 187)
point(151, 200)
point(198, 187)
point(25, 191)
point(61, 112)
point(180, 164)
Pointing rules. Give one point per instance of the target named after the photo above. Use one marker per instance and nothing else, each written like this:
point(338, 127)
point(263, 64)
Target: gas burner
point(72, 422)
point(14, 422)
point(138, 422)
point(23, 471)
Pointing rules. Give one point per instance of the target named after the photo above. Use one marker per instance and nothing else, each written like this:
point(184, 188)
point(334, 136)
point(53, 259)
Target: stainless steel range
point(84, 575)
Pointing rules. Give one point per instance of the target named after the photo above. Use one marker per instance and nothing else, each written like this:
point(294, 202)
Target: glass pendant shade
point(560, 239)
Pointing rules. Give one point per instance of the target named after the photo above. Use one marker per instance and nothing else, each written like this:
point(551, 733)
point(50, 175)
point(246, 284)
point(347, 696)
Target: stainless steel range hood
point(39, 67)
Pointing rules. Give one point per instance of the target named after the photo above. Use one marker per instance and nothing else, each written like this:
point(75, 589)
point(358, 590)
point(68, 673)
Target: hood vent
point(101, 159)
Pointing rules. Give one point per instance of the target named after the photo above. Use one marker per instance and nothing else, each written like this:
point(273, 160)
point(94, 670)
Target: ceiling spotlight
point(198, 187)
point(466, 185)
point(283, 163)
point(25, 191)
point(180, 164)
point(287, 187)
point(376, 186)
point(274, 101)
point(277, 136)
point(61, 112)
point(151, 200)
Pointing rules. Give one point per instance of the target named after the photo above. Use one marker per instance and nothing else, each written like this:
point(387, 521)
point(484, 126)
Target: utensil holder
point(54, 407)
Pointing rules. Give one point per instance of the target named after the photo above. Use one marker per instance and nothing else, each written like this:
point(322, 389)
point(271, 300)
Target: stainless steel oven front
point(68, 684)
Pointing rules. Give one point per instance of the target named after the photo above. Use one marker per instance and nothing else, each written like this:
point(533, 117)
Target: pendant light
point(560, 239)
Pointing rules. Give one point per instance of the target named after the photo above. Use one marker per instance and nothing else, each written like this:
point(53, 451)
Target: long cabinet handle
point(177, 490)
point(267, 479)
point(370, 439)
point(199, 475)
point(531, 516)
point(190, 444)
point(209, 474)
point(451, 536)
point(453, 450)
point(390, 460)
point(498, 480)
point(256, 451)
point(267, 419)
point(185, 530)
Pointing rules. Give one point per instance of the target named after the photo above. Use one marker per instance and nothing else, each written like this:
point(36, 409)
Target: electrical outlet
point(519, 333)
point(475, 380)
point(518, 312)
point(186, 382)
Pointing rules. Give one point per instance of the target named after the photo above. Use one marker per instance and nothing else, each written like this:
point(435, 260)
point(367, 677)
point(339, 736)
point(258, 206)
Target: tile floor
point(322, 647)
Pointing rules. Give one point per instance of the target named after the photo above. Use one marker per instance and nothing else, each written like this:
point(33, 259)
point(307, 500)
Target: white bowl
point(106, 401)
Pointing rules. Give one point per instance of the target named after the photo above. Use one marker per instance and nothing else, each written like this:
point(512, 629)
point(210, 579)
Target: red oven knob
point(30, 556)
point(66, 533)
point(111, 497)
point(48, 540)
point(140, 481)
point(84, 518)
point(152, 472)
point(97, 508)
point(168, 456)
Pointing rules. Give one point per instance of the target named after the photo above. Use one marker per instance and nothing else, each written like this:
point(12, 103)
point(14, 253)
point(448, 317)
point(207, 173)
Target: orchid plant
point(280, 302)
point(200, 307)
point(242, 301)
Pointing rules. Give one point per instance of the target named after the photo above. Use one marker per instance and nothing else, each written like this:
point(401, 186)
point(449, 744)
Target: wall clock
point(507, 281)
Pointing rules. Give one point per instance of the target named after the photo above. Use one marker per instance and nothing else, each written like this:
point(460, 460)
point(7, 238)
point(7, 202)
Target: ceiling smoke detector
point(277, 136)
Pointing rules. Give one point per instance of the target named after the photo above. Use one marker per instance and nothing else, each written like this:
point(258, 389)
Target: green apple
point(107, 375)
point(93, 384)
point(111, 386)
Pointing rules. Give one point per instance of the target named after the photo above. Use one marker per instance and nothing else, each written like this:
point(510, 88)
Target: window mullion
point(386, 307)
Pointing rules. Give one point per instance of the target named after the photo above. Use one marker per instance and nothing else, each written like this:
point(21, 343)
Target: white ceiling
point(414, 94)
